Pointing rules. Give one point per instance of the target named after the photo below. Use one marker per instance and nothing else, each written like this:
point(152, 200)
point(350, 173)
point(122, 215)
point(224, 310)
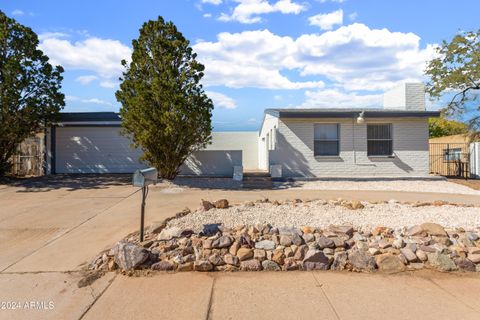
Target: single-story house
point(305, 143)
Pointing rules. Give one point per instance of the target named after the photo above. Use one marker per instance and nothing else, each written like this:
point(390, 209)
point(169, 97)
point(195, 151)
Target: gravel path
point(320, 214)
point(395, 185)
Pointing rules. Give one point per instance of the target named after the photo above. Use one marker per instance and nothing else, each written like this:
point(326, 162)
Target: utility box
point(145, 177)
point(276, 171)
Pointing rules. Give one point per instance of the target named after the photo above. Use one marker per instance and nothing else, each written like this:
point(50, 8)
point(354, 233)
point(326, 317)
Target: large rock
point(216, 260)
point(316, 260)
point(389, 263)
point(416, 231)
point(441, 262)
point(265, 245)
point(221, 204)
point(297, 239)
point(361, 260)
point(354, 205)
point(202, 265)
point(324, 242)
point(269, 265)
point(128, 255)
point(207, 205)
point(434, 229)
point(286, 240)
point(339, 261)
point(278, 256)
point(244, 254)
point(231, 260)
point(409, 254)
point(347, 230)
point(169, 233)
point(185, 267)
point(474, 257)
point(465, 264)
point(163, 266)
point(222, 242)
point(250, 265)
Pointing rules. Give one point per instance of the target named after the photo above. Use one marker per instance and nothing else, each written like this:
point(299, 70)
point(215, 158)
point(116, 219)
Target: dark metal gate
point(450, 159)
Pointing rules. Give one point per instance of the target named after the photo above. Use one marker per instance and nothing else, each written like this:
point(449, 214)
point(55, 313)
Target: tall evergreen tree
point(30, 96)
point(164, 107)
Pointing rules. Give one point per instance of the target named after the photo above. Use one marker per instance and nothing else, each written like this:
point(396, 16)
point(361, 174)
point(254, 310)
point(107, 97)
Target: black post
point(142, 218)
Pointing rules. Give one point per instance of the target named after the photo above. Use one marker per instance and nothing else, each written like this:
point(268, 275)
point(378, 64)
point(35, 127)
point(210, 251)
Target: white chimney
point(407, 96)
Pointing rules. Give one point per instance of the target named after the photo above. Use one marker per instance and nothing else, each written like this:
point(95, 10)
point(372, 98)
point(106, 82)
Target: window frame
point(390, 125)
point(327, 140)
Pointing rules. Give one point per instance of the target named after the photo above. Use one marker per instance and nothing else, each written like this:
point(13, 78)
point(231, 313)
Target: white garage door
point(94, 150)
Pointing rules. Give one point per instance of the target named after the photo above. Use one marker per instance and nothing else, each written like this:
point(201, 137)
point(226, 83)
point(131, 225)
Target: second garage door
point(94, 150)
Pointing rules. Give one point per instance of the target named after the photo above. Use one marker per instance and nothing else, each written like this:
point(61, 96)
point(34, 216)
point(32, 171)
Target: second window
point(326, 139)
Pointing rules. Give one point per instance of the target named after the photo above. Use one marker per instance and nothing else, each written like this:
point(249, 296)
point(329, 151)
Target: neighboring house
point(455, 155)
point(385, 142)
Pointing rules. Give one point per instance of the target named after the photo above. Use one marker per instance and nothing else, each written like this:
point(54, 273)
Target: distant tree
point(455, 74)
point(440, 127)
point(164, 107)
point(30, 96)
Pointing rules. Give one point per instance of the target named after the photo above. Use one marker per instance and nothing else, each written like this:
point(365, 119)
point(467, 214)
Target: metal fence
point(450, 159)
point(28, 160)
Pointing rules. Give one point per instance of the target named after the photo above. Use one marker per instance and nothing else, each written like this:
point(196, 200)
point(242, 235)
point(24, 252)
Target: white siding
point(294, 150)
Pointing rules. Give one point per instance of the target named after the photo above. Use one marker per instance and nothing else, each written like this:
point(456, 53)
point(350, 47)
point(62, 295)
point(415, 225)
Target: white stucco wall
point(294, 150)
point(245, 141)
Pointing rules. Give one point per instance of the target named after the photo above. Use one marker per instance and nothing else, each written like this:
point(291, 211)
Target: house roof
point(349, 113)
point(89, 117)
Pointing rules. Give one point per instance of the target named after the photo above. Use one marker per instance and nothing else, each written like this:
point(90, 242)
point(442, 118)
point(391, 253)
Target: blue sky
point(258, 53)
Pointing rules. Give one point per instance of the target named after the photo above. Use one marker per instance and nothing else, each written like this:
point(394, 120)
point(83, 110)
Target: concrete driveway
point(51, 227)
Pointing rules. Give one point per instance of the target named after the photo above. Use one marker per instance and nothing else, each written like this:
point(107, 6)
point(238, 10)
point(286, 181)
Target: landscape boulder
point(128, 255)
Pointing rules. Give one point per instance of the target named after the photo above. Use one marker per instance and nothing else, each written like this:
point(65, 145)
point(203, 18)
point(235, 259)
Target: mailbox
point(145, 177)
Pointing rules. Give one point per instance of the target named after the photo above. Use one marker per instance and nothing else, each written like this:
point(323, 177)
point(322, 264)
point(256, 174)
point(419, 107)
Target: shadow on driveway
point(70, 182)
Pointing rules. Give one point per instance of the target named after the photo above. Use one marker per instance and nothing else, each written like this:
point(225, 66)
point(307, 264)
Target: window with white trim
point(326, 139)
point(379, 139)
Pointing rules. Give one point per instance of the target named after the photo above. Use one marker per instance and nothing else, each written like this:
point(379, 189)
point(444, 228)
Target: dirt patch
point(471, 183)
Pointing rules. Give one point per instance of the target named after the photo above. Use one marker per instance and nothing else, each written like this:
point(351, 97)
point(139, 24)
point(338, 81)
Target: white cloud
point(17, 12)
point(249, 11)
point(328, 20)
point(356, 57)
point(277, 97)
point(97, 101)
point(214, 2)
point(99, 56)
point(207, 15)
point(352, 57)
point(70, 98)
point(84, 80)
point(250, 59)
point(332, 98)
point(252, 120)
point(221, 100)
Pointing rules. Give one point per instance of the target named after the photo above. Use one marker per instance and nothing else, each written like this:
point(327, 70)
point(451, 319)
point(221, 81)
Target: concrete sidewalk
point(50, 230)
point(261, 295)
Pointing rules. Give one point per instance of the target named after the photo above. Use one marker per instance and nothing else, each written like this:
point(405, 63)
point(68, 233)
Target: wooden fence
point(28, 160)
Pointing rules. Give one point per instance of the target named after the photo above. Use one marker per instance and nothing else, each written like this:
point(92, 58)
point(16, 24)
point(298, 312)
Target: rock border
point(265, 247)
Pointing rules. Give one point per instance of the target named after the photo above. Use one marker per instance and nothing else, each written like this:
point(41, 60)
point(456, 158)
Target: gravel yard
point(321, 214)
point(387, 185)
point(181, 184)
